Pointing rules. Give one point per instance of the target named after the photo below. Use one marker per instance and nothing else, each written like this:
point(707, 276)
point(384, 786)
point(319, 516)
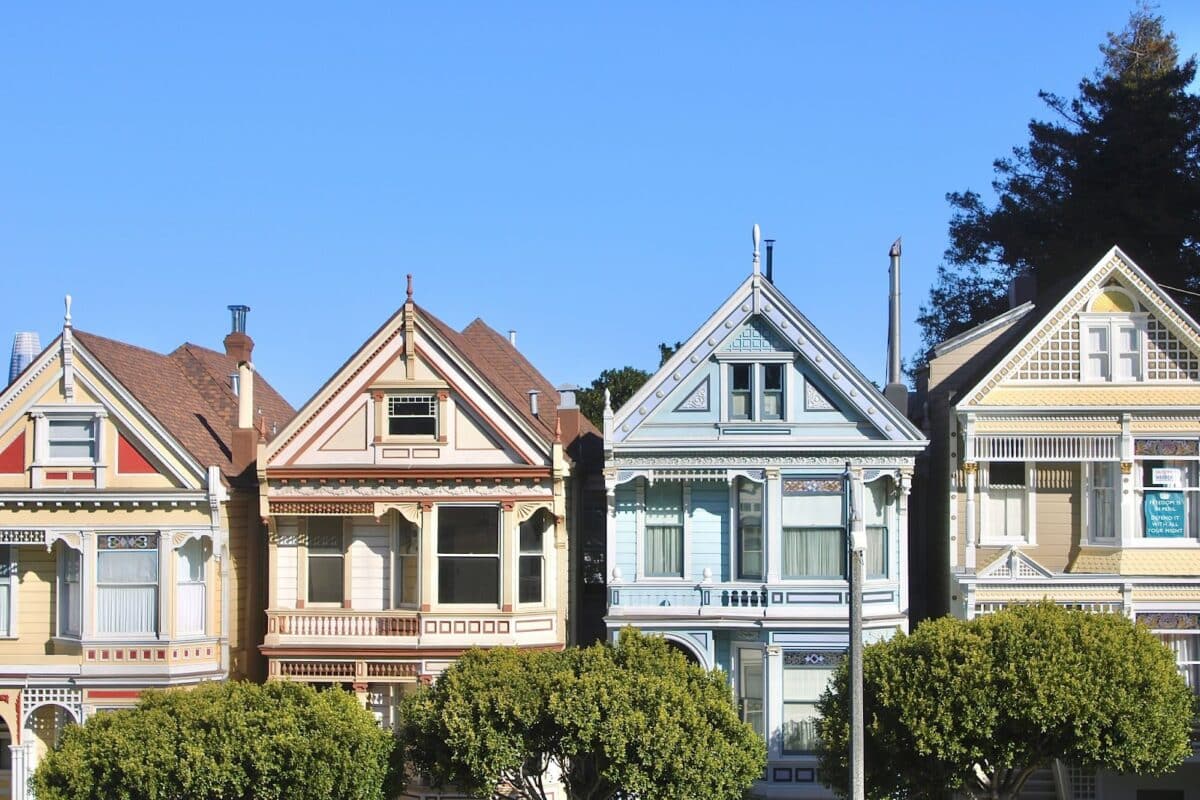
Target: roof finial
point(756, 236)
point(410, 287)
point(67, 316)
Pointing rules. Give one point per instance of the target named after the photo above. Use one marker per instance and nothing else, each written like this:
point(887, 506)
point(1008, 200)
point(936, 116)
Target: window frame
point(429, 396)
point(805, 524)
point(1091, 485)
point(825, 664)
point(43, 416)
point(65, 554)
point(324, 553)
point(495, 556)
point(739, 534)
point(756, 394)
point(1191, 493)
point(1028, 495)
point(532, 555)
point(758, 657)
point(399, 584)
point(182, 580)
point(10, 586)
point(685, 493)
point(157, 624)
point(1112, 323)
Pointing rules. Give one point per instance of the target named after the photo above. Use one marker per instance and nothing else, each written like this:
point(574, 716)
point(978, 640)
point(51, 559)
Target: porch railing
point(317, 623)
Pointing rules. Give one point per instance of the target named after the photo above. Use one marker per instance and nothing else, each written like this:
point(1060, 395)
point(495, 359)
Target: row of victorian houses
point(168, 519)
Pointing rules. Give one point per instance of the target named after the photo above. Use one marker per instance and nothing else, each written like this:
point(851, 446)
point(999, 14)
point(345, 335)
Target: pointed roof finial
point(410, 287)
point(67, 316)
point(756, 237)
point(895, 251)
point(607, 401)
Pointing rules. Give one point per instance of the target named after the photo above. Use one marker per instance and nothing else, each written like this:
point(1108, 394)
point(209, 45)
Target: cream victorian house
point(127, 531)
point(1066, 465)
point(421, 503)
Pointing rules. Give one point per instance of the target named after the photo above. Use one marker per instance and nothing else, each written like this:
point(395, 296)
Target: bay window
point(749, 529)
point(664, 530)
point(190, 592)
point(814, 543)
point(468, 554)
point(805, 676)
point(70, 596)
point(406, 583)
point(1168, 482)
point(127, 584)
point(326, 560)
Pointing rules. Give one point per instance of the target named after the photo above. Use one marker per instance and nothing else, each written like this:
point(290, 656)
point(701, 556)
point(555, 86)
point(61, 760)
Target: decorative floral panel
point(813, 658)
point(795, 486)
point(1170, 622)
point(1165, 447)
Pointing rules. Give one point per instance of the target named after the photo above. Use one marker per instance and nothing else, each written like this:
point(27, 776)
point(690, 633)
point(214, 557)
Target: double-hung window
point(71, 439)
point(814, 542)
point(1007, 507)
point(756, 391)
point(326, 560)
point(805, 676)
point(468, 554)
point(412, 414)
point(750, 688)
point(531, 567)
point(1168, 484)
point(406, 582)
point(1103, 478)
point(1112, 348)
point(70, 598)
point(190, 592)
point(664, 530)
point(875, 511)
point(8, 586)
point(127, 584)
point(750, 529)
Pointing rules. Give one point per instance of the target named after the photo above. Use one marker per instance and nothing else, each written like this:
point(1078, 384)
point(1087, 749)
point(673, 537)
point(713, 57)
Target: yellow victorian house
point(1066, 465)
point(129, 530)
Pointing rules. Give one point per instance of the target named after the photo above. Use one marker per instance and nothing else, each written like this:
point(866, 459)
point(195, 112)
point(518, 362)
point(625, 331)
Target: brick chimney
point(239, 347)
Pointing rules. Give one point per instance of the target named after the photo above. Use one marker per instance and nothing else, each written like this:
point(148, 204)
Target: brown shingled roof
point(188, 392)
point(509, 372)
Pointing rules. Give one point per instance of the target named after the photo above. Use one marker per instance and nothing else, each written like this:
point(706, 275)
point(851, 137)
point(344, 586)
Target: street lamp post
point(857, 544)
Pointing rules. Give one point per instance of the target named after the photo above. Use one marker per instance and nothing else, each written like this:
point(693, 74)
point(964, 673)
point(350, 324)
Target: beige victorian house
point(127, 532)
point(1066, 465)
point(421, 503)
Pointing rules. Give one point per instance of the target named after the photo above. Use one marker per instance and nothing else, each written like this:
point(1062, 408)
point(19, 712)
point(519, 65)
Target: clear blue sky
point(586, 173)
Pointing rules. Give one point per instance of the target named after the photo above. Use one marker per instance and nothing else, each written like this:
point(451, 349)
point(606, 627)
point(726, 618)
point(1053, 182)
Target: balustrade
point(319, 623)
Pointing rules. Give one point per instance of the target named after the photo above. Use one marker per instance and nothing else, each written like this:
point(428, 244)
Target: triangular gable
point(335, 414)
point(1050, 352)
point(149, 447)
point(757, 315)
point(1015, 565)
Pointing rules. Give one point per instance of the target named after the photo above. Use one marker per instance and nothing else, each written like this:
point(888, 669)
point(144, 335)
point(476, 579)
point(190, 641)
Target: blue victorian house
point(729, 479)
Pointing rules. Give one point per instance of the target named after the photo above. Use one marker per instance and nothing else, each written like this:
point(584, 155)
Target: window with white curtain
point(1103, 492)
point(127, 584)
point(70, 598)
point(664, 530)
point(875, 512)
point(190, 593)
point(1186, 647)
point(1007, 497)
point(814, 542)
point(8, 581)
point(803, 685)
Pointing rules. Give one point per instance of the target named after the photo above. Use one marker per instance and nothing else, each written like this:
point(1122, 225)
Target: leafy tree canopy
point(976, 707)
point(1119, 164)
point(281, 741)
point(622, 383)
point(631, 720)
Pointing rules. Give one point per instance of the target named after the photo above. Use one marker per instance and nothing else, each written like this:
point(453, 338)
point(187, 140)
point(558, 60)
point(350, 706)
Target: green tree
point(635, 719)
point(235, 741)
point(976, 707)
point(623, 383)
point(1119, 164)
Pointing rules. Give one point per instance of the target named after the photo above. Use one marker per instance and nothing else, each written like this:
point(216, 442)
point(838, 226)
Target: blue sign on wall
point(1164, 516)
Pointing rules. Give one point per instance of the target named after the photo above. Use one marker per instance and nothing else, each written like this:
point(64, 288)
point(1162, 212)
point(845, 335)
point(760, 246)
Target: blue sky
point(584, 173)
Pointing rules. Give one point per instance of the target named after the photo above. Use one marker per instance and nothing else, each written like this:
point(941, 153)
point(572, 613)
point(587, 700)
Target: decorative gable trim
point(815, 400)
point(698, 398)
point(792, 332)
point(1015, 565)
point(1058, 320)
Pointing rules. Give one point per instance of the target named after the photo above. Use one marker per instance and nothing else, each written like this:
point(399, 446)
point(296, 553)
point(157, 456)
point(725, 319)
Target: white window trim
point(1112, 320)
point(986, 537)
point(13, 589)
point(398, 523)
point(686, 503)
point(41, 433)
point(92, 587)
point(58, 580)
point(204, 581)
point(547, 537)
point(1137, 537)
point(431, 394)
point(735, 516)
point(757, 385)
point(1088, 513)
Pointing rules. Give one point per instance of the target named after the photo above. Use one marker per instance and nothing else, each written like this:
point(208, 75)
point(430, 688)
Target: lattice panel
point(756, 337)
point(1167, 358)
point(1057, 359)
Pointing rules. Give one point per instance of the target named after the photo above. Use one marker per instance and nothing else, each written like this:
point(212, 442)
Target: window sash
point(529, 582)
point(876, 566)
point(73, 439)
point(1104, 494)
point(326, 577)
point(6, 589)
point(406, 576)
point(468, 579)
point(802, 687)
point(751, 689)
point(127, 609)
point(70, 597)
point(813, 552)
point(664, 551)
point(412, 415)
point(750, 537)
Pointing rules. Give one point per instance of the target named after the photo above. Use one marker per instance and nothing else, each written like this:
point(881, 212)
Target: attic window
point(72, 439)
point(412, 415)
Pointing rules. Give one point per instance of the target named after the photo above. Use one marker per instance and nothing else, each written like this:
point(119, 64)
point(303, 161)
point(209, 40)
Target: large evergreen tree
point(1117, 165)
